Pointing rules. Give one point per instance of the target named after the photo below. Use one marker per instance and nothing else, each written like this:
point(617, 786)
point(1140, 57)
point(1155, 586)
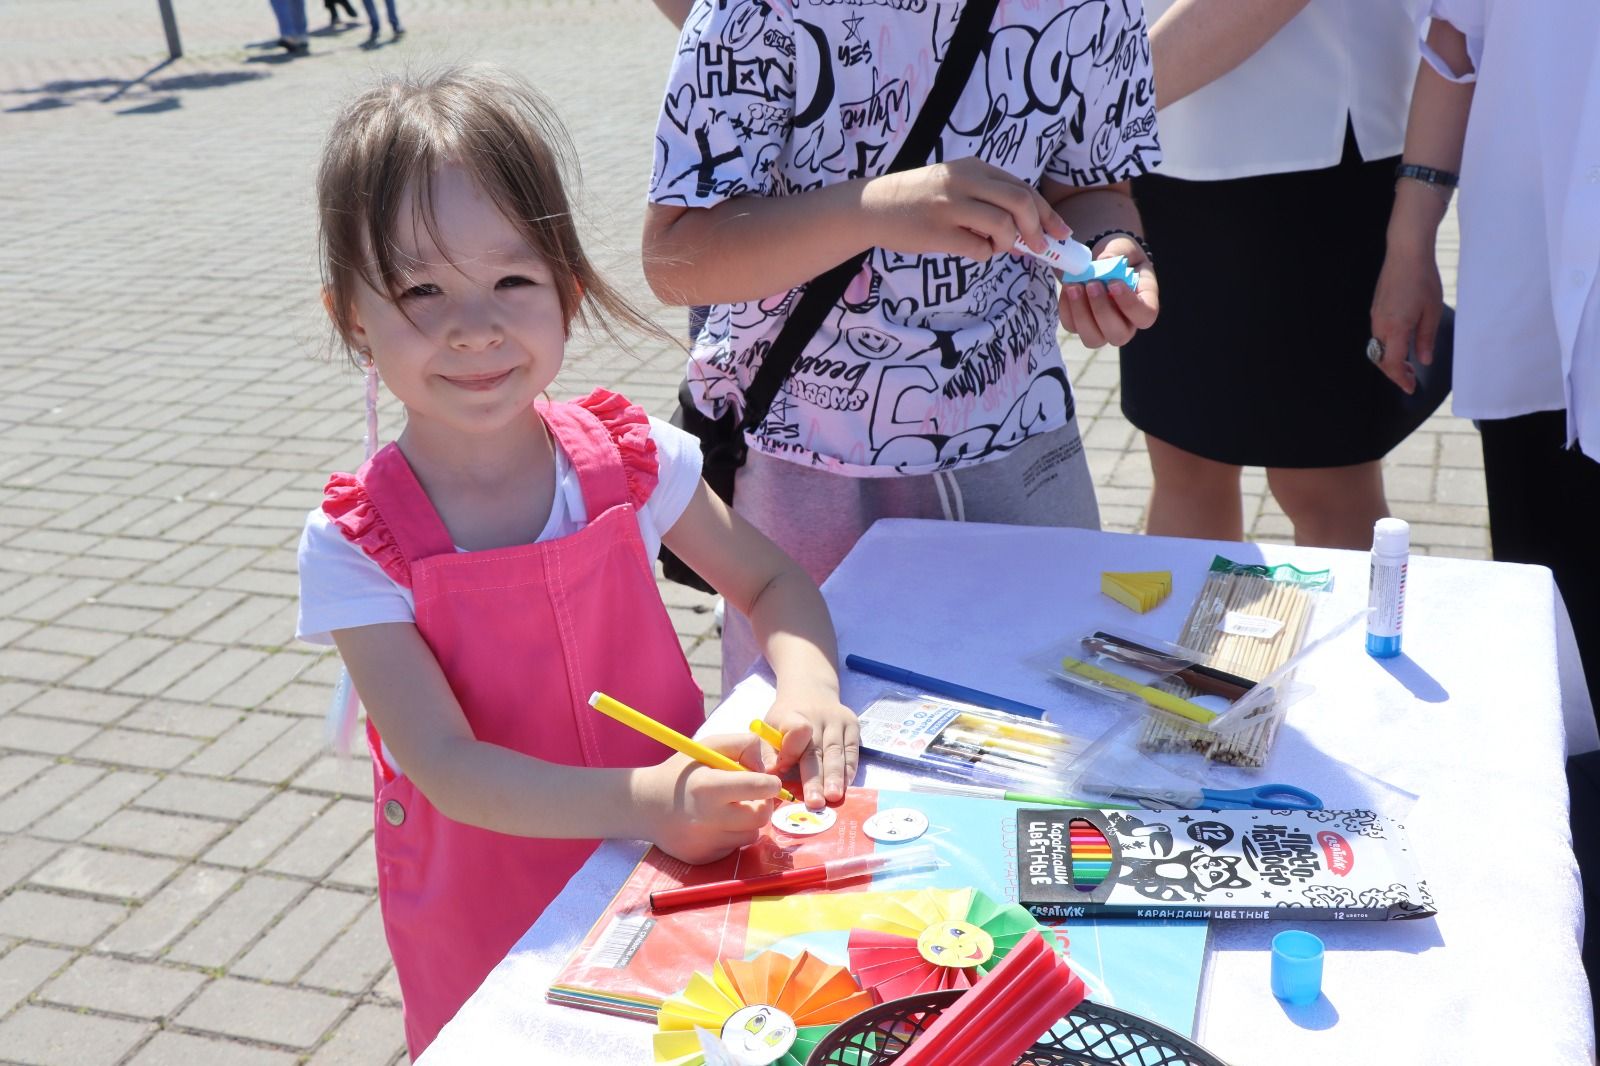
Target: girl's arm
point(691, 811)
point(1195, 42)
point(792, 624)
point(724, 254)
point(1409, 298)
point(1099, 313)
point(676, 10)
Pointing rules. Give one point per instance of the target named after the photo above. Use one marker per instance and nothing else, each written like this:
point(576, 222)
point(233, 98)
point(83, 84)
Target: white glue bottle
point(1386, 589)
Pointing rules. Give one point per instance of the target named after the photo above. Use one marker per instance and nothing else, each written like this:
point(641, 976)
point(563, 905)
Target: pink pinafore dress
point(524, 634)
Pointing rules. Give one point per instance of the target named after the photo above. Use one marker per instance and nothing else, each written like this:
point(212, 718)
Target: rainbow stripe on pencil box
point(1091, 856)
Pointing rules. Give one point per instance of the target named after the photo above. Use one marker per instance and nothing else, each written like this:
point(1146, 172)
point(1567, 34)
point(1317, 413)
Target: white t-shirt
point(933, 361)
point(341, 587)
point(1284, 108)
point(1528, 285)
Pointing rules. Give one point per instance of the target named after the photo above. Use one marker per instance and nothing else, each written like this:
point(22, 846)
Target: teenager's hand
point(699, 814)
point(1406, 307)
point(965, 207)
point(1103, 314)
point(822, 736)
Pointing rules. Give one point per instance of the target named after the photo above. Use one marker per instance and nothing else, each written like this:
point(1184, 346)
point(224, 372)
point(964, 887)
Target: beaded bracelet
point(1441, 182)
point(1128, 233)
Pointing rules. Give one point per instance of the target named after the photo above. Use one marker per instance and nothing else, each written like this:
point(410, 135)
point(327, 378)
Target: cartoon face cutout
point(896, 825)
point(758, 1035)
point(796, 820)
point(956, 944)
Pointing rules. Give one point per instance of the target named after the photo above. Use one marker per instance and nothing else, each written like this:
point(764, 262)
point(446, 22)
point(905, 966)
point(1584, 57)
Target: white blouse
point(1284, 108)
point(1528, 321)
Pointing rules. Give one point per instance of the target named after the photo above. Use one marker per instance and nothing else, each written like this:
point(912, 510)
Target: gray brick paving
point(185, 875)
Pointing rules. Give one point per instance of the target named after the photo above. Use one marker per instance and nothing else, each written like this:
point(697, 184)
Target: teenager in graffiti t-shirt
point(932, 361)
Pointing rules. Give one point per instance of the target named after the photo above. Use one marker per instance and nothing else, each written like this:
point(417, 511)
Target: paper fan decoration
point(937, 940)
point(769, 1011)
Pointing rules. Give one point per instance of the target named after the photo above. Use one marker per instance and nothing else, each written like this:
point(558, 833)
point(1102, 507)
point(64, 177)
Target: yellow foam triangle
point(1138, 591)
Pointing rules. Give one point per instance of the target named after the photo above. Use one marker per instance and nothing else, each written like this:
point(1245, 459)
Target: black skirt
point(1258, 355)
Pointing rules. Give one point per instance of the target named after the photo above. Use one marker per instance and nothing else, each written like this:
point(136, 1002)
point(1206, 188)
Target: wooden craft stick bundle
point(1004, 1013)
point(1245, 624)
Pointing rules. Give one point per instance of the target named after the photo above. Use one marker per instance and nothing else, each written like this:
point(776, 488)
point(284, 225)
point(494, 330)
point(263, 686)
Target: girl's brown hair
point(397, 135)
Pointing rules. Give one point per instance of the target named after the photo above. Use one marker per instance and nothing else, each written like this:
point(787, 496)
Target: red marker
point(828, 875)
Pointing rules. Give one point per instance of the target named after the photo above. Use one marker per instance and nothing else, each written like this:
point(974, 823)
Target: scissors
point(1261, 797)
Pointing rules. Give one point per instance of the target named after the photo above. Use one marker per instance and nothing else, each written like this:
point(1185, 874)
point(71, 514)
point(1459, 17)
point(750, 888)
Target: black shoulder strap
point(823, 291)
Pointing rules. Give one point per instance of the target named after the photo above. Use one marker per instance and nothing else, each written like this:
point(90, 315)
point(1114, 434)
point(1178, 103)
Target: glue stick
point(1386, 590)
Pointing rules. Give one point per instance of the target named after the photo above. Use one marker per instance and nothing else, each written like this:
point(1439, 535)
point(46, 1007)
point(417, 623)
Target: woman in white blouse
point(1281, 122)
point(1509, 96)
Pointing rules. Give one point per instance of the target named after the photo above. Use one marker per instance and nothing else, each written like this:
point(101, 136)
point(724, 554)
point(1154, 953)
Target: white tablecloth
point(1474, 720)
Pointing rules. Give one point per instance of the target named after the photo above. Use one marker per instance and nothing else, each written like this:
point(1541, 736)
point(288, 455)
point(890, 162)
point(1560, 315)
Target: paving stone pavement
point(185, 875)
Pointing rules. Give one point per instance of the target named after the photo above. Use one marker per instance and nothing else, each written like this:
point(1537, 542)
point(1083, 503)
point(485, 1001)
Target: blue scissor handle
point(1265, 797)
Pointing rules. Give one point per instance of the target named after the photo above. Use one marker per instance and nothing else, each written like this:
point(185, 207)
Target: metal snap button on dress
point(393, 813)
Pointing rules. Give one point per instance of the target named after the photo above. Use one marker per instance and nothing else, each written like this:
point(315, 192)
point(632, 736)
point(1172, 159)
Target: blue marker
point(936, 687)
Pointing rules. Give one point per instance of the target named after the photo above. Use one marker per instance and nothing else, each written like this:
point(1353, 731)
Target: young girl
point(487, 571)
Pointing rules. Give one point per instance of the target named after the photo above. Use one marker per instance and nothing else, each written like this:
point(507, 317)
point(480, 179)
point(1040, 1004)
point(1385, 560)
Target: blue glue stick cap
point(1296, 966)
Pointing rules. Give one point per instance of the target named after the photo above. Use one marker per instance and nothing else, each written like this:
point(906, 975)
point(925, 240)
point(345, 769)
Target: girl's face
point(477, 332)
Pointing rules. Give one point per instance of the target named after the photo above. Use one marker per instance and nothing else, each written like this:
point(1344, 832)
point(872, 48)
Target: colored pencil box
point(1350, 865)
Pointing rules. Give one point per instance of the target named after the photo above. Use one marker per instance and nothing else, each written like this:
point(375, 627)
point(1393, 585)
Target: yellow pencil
point(1166, 701)
point(670, 737)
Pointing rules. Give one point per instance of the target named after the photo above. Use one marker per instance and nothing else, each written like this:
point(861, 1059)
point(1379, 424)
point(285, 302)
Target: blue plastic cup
point(1296, 966)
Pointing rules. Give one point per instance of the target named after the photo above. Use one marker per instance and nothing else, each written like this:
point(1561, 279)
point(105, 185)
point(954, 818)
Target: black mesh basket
point(1090, 1035)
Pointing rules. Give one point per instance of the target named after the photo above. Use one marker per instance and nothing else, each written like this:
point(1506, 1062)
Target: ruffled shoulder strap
point(383, 511)
point(607, 438)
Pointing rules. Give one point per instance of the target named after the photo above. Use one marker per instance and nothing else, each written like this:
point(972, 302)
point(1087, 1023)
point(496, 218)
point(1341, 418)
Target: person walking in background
point(333, 7)
point(372, 19)
point(1280, 125)
point(1509, 97)
point(291, 16)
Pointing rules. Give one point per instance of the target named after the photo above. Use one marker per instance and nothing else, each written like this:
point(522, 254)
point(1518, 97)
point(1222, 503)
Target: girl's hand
point(823, 737)
point(699, 814)
point(1103, 314)
point(1406, 307)
point(966, 207)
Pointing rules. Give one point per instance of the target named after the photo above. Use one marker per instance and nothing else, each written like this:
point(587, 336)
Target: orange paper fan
point(768, 1010)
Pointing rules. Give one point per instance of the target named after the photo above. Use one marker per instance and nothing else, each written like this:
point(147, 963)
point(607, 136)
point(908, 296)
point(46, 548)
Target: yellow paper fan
point(937, 940)
point(770, 1010)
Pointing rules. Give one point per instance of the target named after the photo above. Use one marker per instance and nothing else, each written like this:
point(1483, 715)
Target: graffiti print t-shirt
point(930, 362)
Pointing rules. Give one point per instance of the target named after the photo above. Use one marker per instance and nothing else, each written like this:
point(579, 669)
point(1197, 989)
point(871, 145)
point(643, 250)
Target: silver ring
point(1374, 351)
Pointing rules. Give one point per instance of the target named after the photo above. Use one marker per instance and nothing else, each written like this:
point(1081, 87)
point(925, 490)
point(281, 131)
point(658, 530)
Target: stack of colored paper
point(1138, 591)
point(1002, 1015)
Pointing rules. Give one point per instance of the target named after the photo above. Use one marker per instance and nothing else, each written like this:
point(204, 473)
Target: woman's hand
point(1103, 314)
point(699, 814)
point(822, 736)
point(1406, 307)
point(965, 207)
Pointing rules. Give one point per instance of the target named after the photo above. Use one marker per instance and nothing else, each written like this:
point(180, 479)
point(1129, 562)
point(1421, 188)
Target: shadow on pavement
point(66, 92)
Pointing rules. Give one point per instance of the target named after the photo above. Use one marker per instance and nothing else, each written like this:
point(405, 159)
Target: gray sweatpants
point(817, 516)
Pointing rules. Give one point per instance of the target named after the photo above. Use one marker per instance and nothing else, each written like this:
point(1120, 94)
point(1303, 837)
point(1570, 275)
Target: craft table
point(1474, 720)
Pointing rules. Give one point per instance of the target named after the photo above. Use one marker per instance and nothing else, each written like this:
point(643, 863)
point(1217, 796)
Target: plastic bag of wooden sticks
point(1250, 622)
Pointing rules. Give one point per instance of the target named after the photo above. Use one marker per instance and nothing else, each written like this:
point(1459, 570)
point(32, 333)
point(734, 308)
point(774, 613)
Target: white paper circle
point(896, 825)
point(797, 820)
point(758, 1035)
